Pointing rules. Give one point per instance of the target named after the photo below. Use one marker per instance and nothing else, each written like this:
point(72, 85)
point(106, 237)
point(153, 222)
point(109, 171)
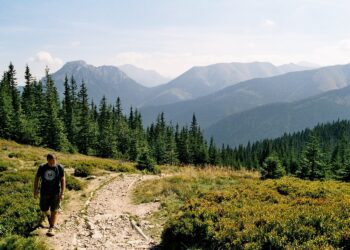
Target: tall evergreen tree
point(6, 109)
point(54, 136)
point(85, 137)
point(312, 165)
point(213, 153)
point(106, 145)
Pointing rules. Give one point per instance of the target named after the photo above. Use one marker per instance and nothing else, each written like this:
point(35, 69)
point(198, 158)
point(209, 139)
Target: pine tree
point(54, 136)
point(213, 153)
point(106, 145)
point(121, 129)
point(312, 165)
point(70, 110)
point(16, 116)
point(6, 109)
point(85, 135)
point(171, 156)
point(28, 100)
point(183, 147)
point(145, 161)
point(31, 123)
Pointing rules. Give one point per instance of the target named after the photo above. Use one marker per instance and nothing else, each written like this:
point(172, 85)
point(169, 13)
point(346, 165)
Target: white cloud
point(47, 58)
point(42, 59)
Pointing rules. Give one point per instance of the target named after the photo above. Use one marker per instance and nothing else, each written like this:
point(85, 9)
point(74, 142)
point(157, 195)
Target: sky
point(171, 36)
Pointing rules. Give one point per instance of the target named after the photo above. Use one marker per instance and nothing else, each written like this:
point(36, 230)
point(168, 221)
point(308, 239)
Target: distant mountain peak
point(106, 80)
point(76, 62)
point(146, 77)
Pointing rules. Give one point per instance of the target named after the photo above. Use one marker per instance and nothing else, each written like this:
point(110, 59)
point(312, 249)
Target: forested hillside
point(318, 153)
point(74, 124)
point(38, 117)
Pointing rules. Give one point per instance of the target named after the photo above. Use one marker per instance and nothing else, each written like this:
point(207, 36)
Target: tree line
point(322, 152)
point(37, 116)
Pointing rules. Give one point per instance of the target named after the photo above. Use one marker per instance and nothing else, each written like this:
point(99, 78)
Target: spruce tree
point(54, 136)
point(84, 138)
point(31, 123)
point(213, 153)
point(6, 109)
point(121, 129)
point(106, 145)
point(312, 164)
point(16, 116)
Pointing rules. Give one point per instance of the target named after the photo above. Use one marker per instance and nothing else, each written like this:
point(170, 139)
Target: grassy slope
point(19, 211)
point(237, 210)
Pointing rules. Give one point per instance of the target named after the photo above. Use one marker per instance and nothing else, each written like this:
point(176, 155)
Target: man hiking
point(52, 188)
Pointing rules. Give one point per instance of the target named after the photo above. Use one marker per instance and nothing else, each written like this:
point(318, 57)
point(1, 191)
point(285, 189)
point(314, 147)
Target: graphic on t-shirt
point(49, 175)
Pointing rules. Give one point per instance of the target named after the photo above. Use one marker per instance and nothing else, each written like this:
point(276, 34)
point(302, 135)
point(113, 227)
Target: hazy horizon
point(171, 37)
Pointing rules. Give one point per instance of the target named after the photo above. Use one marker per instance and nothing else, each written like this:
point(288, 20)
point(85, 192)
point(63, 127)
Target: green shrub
point(287, 213)
point(272, 168)
point(120, 167)
point(12, 155)
point(3, 167)
point(145, 162)
point(6, 164)
point(15, 242)
point(19, 211)
point(73, 183)
point(82, 170)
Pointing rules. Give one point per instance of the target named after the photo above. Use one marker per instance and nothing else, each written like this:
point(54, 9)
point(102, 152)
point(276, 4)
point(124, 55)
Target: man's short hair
point(50, 157)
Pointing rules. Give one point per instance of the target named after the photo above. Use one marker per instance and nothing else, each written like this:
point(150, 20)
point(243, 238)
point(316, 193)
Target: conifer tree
point(85, 136)
point(272, 168)
point(6, 109)
point(213, 153)
point(312, 165)
point(54, 136)
point(106, 146)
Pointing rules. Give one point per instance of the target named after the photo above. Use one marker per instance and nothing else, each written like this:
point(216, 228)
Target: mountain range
point(124, 81)
point(273, 120)
point(249, 94)
point(233, 102)
point(204, 80)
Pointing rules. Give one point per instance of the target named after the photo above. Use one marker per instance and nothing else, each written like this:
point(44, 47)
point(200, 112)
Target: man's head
point(51, 159)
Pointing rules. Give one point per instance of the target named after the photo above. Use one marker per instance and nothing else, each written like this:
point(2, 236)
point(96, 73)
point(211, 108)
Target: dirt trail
point(106, 219)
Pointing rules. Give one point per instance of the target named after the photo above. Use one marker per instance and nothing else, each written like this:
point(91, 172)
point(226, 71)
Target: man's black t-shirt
point(50, 178)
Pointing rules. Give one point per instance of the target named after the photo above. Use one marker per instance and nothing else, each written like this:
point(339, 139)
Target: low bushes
point(18, 214)
point(73, 183)
point(218, 211)
point(15, 242)
point(82, 170)
point(120, 167)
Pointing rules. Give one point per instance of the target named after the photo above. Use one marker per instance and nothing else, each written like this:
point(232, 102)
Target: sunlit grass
point(215, 208)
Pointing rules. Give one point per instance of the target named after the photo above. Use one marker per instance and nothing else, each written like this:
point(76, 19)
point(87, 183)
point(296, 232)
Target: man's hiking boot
point(51, 231)
point(44, 223)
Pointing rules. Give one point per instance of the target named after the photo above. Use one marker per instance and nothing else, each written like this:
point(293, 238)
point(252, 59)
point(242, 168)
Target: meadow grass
point(19, 211)
point(217, 208)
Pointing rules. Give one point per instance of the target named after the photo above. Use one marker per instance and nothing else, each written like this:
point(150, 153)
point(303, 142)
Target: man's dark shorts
point(51, 202)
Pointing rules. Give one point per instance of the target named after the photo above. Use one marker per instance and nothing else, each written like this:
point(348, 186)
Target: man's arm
point(63, 186)
point(36, 185)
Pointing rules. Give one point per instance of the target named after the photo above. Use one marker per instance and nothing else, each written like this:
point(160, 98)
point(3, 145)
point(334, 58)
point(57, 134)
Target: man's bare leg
point(53, 218)
point(46, 214)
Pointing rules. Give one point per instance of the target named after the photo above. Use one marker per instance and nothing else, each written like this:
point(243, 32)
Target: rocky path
point(107, 220)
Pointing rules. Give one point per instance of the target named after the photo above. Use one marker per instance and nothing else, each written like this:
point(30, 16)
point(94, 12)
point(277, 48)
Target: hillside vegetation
point(214, 208)
point(19, 211)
